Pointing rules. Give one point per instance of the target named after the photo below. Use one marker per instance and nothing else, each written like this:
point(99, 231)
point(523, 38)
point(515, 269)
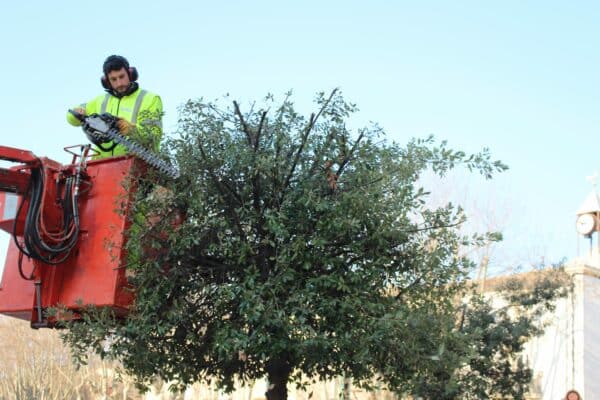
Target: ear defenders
point(131, 71)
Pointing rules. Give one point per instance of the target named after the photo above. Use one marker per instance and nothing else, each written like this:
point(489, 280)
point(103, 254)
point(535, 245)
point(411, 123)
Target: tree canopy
point(303, 249)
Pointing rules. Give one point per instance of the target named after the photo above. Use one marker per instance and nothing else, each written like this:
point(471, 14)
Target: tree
point(480, 354)
point(305, 251)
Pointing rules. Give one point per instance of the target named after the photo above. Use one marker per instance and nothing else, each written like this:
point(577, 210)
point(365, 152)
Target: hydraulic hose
point(41, 243)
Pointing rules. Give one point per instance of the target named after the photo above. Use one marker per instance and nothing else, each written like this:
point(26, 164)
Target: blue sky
point(521, 78)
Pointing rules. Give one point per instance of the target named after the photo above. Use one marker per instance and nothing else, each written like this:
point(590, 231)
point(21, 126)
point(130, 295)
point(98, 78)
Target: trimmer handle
point(77, 115)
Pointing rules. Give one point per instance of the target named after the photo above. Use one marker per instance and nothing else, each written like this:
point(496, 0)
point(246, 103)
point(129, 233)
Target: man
point(139, 112)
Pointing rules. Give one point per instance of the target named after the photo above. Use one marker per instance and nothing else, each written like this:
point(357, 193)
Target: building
point(567, 355)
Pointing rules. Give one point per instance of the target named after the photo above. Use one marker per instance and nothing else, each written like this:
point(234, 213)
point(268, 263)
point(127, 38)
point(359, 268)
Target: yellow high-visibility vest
point(141, 108)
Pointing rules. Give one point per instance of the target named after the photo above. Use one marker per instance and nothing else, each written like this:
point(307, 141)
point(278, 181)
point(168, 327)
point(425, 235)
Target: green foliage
point(306, 250)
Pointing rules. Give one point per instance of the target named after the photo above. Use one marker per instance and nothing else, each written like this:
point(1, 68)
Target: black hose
point(35, 245)
point(20, 264)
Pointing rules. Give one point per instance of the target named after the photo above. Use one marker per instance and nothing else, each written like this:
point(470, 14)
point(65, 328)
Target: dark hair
point(115, 63)
point(573, 391)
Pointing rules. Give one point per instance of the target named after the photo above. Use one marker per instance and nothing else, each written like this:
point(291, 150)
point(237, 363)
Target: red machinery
point(68, 225)
point(73, 262)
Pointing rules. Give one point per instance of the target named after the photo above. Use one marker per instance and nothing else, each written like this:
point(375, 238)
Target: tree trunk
point(347, 390)
point(278, 374)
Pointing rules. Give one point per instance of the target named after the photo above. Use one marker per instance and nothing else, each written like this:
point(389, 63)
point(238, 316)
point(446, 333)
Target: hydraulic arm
point(15, 180)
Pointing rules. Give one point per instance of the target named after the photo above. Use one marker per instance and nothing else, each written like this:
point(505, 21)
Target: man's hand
point(80, 110)
point(124, 127)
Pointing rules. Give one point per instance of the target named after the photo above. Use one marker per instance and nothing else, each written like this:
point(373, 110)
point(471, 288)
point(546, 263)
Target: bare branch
point(259, 131)
point(245, 126)
point(311, 123)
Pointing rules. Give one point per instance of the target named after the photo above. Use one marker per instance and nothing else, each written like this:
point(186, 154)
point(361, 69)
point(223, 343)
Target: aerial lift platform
point(68, 227)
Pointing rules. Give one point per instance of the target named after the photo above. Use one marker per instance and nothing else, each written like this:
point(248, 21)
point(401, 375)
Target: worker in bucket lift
point(138, 112)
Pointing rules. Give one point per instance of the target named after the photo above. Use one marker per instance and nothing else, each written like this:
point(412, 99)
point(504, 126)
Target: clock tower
point(588, 216)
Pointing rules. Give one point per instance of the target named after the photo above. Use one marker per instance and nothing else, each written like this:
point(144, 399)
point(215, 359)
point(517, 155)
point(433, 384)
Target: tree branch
point(349, 155)
point(311, 123)
point(432, 227)
point(220, 185)
point(245, 126)
point(226, 192)
point(259, 130)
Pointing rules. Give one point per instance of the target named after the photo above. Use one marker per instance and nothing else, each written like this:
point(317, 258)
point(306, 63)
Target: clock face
point(585, 224)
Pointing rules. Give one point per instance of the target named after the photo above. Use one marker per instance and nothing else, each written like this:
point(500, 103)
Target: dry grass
point(36, 365)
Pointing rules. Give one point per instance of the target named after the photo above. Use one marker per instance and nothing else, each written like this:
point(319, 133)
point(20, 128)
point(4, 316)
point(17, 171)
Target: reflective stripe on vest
point(136, 108)
point(104, 104)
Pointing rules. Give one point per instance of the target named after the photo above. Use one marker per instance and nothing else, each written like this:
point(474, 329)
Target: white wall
point(567, 356)
point(591, 337)
point(550, 354)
